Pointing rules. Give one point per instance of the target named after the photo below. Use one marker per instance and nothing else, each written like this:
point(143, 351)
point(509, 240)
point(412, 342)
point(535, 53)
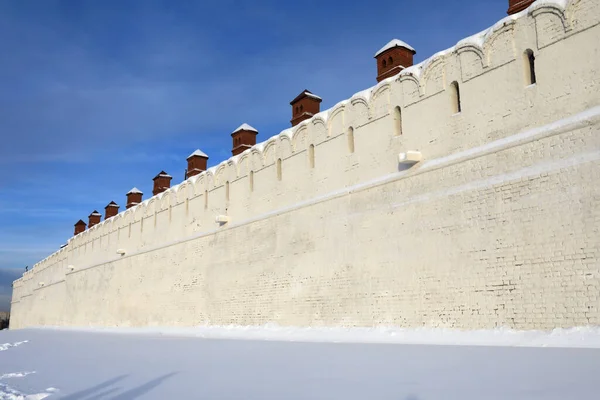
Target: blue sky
point(98, 97)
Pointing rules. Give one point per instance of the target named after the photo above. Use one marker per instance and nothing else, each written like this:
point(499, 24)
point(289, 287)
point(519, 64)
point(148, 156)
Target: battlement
point(524, 71)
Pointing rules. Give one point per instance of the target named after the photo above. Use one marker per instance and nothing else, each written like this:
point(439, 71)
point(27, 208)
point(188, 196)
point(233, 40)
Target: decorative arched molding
point(244, 164)
point(361, 112)
point(335, 121)
point(96, 231)
point(138, 212)
point(561, 6)
point(165, 201)
point(172, 194)
point(318, 130)
point(379, 104)
point(577, 15)
point(108, 224)
point(85, 235)
point(221, 174)
point(191, 181)
point(200, 184)
point(300, 138)
point(126, 218)
point(99, 231)
point(151, 207)
point(256, 159)
point(289, 133)
point(499, 43)
point(433, 75)
point(411, 87)
point(379, 90)
point(116, 222)
point(232, 168)
point(209, 176)
point(472, 60)
point(320, 119)
point(270, 151)
point(414, 71)
point(190, 190)
point(182, 192)
point(551, 24)
point(284, 146)
point(472, 48)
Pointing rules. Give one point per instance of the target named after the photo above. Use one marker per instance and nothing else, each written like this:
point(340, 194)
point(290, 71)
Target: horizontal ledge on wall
point(43, 286)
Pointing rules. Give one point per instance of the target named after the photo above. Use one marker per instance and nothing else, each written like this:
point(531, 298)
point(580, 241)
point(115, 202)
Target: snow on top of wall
point(245, 127)
point(479, 38)
point(476, 39)
point(395, 43)
point(365, 94)
point(199, 153)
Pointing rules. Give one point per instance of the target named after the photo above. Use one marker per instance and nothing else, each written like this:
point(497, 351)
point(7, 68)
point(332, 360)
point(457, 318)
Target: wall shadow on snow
point(81, 395)
point(143, 389)
point(104, 389)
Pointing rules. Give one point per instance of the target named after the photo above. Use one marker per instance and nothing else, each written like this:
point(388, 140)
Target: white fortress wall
point(492, 228)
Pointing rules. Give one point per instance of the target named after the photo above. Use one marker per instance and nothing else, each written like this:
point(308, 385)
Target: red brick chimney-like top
point(393, 58)
point(515, 6)
point(304, 107)
point(111, 210)
point(79, 227)
point(196, 163)
point(162, 182)
point(243, 137)
point(94, 218)
point(134, 197)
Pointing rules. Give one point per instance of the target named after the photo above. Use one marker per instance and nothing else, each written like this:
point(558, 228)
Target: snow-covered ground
point(284, 363)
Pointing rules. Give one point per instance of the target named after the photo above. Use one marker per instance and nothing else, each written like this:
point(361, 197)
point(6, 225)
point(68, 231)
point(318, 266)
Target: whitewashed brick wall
point(498, 226)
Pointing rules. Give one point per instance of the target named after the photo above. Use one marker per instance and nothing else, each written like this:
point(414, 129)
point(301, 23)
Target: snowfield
point(293, 363)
